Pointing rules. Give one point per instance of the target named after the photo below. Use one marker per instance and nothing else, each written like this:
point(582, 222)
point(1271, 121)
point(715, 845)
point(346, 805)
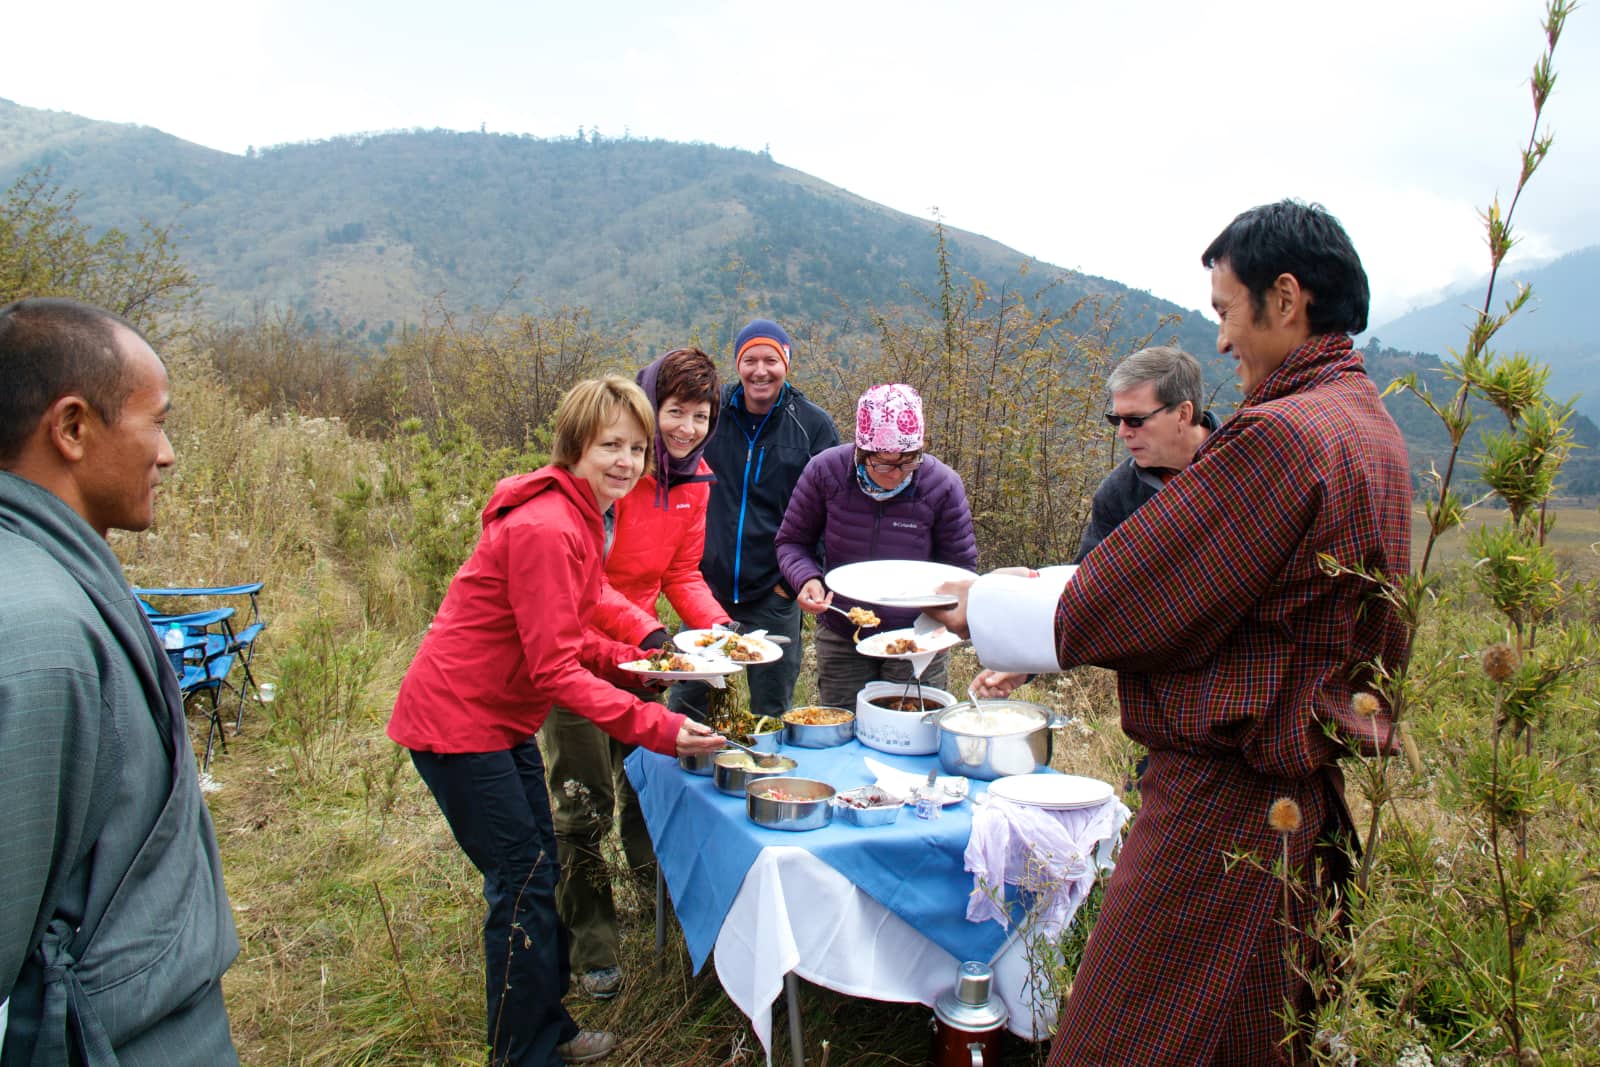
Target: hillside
point(673, 240)
point(1559, 326)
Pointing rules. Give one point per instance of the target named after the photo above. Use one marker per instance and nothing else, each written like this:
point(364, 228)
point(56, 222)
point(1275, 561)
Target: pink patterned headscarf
point(889, 419)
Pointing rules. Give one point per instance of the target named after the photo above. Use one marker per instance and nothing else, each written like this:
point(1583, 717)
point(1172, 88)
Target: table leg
point(797, 1044)
point(661, 921)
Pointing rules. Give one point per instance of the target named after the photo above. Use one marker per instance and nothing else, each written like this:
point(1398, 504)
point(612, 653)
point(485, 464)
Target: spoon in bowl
point(764, 759)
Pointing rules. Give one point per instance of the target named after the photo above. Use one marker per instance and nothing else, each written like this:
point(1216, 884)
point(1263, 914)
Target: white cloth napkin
point(903, 784)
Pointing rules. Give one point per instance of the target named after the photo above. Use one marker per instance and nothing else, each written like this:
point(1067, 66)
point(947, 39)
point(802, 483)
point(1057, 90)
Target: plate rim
point(930, 600)
point(908, 631)
point(711, 657)
point(711, 670)
point(1110, 792)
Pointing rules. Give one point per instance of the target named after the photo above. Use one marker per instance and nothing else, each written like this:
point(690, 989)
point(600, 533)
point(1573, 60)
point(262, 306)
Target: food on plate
point(907, 703)
point(668, 661)
point(991, 722)
point(813, 716)
point(707, 639)
point(741, 651)
point(900, 646)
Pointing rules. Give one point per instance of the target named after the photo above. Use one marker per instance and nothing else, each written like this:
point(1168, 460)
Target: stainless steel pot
point(974, 750)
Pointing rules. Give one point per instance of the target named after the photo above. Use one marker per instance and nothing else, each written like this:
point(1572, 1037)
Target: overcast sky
point(1115, 138)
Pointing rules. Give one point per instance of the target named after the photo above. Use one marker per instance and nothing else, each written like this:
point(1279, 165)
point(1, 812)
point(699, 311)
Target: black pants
point(498, 809)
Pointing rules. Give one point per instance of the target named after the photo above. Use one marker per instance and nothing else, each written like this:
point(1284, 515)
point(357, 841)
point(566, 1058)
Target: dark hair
point(51, 347)
point(1304, 240)
point(691, 376)
point(1176, 375)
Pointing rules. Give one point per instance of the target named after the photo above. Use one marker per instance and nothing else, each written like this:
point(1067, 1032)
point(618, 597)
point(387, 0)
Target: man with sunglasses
point(1156, 398)
point(1239, 652)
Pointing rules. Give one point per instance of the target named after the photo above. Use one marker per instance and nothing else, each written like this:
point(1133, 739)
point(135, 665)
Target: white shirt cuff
point(1012, 619)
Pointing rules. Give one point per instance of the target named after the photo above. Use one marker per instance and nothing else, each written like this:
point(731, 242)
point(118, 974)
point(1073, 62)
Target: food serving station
point(852, 864)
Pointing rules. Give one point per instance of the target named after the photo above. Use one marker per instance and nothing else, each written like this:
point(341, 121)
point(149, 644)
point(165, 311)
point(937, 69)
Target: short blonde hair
point(592, 405)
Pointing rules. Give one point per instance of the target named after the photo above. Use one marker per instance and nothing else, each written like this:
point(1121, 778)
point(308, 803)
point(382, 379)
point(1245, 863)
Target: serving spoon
point(765, 759)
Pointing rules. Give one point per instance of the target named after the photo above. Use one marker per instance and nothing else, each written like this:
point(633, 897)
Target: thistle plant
point(1464, 911)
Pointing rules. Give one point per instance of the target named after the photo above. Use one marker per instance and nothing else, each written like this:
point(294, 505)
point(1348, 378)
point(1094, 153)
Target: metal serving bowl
point(802, 736)
point(1018, 742)
point(732, 769)
point(702, 763)
point(806, 803)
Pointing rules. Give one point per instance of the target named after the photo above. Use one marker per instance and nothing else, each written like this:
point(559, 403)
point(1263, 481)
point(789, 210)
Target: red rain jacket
point(512, 636)
point(656, 550)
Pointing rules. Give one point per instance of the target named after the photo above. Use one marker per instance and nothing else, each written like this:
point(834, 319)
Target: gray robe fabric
point(115, 928)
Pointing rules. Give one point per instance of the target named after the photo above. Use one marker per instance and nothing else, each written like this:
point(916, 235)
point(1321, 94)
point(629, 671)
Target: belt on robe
point(66, 1011)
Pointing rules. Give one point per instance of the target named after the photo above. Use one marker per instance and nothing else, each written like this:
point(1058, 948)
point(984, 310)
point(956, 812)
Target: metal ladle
point(765, 759)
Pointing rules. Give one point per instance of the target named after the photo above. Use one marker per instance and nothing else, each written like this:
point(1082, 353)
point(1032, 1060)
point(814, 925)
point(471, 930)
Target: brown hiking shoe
point(588, 1046)
point(602, 984)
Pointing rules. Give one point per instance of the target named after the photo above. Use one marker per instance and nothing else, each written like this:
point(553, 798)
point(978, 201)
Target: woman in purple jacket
point(880, 498)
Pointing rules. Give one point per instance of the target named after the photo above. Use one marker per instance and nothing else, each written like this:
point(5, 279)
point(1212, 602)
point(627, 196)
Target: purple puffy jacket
point(831, 522)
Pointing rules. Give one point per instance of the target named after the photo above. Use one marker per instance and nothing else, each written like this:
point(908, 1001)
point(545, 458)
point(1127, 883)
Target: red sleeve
point(619, 618)
point(544, 567)
point(683, 583)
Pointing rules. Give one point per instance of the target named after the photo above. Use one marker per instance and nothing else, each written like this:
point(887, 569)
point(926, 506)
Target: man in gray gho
point(1156, 406)
point(114, 926)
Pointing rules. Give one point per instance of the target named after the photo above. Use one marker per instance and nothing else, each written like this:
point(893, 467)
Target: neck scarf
point(874, 490)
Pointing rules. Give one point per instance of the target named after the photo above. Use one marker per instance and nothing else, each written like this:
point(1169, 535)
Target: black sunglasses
point(1135, 421)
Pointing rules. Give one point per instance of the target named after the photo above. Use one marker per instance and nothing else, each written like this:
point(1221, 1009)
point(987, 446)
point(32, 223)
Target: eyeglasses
point(1135, 421)
point(907, 463)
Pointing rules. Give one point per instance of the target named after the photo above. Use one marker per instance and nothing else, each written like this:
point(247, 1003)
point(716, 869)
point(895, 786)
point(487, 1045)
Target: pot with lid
point(968, 1023)
point(989, 739)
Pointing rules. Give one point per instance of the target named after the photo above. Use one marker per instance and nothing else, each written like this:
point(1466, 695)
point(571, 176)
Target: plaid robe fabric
point(1237, 656)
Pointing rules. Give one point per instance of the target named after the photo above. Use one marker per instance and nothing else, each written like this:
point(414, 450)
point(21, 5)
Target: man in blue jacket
point(767, 434)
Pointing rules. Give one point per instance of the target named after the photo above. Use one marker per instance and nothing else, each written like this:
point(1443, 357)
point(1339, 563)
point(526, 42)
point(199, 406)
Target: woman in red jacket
point(510, 640)
point(659, 536)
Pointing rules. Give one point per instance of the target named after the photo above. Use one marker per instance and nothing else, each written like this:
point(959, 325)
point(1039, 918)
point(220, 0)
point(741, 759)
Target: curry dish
point(818, 716)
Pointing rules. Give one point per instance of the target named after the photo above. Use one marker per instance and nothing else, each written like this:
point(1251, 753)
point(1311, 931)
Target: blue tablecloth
point(705, 844)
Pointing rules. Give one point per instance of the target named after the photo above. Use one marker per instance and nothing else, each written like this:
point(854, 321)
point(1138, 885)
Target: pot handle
point(977, 1054)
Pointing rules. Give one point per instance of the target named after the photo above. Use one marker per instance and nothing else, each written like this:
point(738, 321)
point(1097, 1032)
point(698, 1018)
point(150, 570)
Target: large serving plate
point(928, 644)
point(703, 669)
point(897, 583)
point(1060, 792)
point(689, 641)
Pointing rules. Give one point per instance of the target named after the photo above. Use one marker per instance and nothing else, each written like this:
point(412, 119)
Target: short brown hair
point(50, 347)
point(591, 405)
point(689, 375)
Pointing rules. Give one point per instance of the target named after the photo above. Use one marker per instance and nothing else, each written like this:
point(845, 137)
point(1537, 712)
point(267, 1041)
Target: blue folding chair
point(241, 644)
point(207, 658)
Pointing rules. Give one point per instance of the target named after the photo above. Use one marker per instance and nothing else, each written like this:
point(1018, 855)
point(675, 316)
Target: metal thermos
point(967, 1023)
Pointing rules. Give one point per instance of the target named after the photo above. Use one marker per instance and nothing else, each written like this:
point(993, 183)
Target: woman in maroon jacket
point(660, 532)
point(881, 498)
point(510, 640)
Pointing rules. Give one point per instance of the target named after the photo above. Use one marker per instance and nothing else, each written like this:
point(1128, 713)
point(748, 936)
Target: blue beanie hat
point(762, 332)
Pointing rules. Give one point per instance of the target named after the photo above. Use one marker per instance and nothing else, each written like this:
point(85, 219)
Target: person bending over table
point(510, 640)
point(659, 533)
point(882, 497)
point(1239, 655)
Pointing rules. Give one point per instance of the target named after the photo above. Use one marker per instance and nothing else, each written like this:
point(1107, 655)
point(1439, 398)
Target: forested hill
point(371, 231)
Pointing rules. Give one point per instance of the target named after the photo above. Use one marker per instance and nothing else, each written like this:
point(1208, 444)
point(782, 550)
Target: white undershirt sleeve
point(1012, 619)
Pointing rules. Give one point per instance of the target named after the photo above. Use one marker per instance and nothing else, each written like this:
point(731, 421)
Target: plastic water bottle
point(174, 642)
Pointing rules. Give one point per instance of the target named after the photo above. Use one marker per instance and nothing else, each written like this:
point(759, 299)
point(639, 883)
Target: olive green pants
point(589, 791)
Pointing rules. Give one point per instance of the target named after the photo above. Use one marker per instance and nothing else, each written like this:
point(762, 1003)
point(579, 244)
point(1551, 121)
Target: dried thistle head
point(1499, 661)
point(1284, 815)
point(1365, 705)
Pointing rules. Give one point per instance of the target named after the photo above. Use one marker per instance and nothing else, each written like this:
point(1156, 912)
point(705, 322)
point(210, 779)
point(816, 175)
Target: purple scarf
point(671, 471)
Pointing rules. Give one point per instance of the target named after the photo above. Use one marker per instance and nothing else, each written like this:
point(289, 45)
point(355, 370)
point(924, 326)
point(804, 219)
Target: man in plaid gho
point(1237, 655)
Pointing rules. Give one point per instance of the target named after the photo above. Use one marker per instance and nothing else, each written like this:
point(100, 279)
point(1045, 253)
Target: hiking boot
point(588, 1046)
point(602, 984)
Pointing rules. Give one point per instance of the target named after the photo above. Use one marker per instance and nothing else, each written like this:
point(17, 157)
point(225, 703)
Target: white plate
point(896, 583)
point(927, 644)
point(1061, 792)
point(688, 641)
point(704, 670)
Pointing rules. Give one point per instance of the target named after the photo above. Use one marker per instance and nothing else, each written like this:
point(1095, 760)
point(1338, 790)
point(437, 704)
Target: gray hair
point(1176, 375)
